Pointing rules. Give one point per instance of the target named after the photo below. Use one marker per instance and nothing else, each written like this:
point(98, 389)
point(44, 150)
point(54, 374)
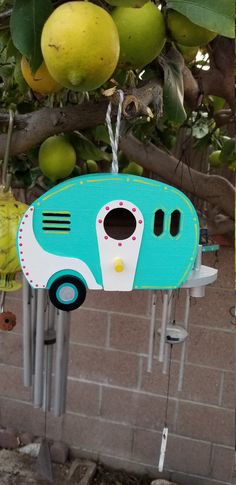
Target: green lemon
point(142, 34)
point(133, 168)
point(185, 32)
point(57, 157)
point(214, 159)
point(92, 166)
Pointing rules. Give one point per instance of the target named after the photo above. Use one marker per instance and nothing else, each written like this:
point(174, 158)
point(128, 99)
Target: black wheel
point(67, 293)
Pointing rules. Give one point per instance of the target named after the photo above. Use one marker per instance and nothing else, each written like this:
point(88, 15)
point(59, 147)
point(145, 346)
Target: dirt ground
point(20, 469)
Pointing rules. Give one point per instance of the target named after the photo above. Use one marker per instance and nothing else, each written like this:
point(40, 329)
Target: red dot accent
point(31, 208)
point(106, 237)
point(121, 203)
point(20, 244)
point(134, 238)
point(140, 222)
point(27, 274)
point(21, 230)
point(134, 210)
point(20, 237)
point(44, 286)
point(26, 215)
point(107, 208)
point(23, 222)
point(31, 281)
point(24, 267)
point(119, 244)
point(22, 259)
point(21, 252)
point(36, 286)
point(100, 221)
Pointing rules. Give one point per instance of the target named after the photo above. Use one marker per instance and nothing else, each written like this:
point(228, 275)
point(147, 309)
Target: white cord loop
point(115, 139)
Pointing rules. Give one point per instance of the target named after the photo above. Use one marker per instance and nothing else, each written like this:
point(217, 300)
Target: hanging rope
point(114, 139)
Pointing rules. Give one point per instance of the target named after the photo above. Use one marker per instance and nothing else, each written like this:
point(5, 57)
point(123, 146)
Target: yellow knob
point(118, 265)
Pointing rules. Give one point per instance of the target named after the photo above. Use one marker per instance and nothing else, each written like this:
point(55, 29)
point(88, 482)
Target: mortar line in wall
point(214, 329)
point(221, 389)
point(142, 354)
point(148, 393)
point(151, 467)
point(150, 430)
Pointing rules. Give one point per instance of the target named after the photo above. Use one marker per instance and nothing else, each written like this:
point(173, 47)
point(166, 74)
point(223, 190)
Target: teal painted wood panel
point(164, 261)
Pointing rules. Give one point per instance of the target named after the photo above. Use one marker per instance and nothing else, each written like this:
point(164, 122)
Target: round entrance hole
point(119, 223)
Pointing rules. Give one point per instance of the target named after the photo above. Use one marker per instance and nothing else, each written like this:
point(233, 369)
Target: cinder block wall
point(115, 408)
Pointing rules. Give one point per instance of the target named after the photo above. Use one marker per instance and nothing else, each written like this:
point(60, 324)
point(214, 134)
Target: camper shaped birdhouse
point(109, 231)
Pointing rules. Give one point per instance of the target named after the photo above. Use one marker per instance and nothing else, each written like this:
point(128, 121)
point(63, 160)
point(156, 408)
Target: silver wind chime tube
point(33, 316)
point(184, 344)
point(27, 335)
point(61, 361)
point(152, 331)
point(167, 345)
point(164, 322)
point(49, 341)
point(39, 350)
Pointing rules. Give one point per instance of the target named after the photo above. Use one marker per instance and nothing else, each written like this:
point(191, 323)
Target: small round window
point(120, 223)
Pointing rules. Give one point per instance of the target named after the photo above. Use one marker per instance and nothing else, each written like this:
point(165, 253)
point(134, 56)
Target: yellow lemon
point(185, 32)
point(41, 81)
point(57, 157)
point(80, 45)
point(142, 34)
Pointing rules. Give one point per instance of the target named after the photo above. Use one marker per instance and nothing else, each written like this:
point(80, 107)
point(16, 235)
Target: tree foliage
point(170, 95)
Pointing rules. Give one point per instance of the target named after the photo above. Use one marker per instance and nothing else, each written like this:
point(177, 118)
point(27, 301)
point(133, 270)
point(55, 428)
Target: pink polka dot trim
point(100, 221)
point(107, 208)
point(119, 244)
point(121, 203)
point(134, 238)
point(106, 237)
point(134, 210)
point(140, 221)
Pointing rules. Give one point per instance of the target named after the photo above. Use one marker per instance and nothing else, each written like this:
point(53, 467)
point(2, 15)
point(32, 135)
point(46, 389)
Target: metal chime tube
point(27, 362)
point(39, 350)
point(163, 326)
point(65, 362)
point(152, 331)
point(49, 360)
point(167, 346)
point(59, 362)
point(183, 352)
point(33, 315)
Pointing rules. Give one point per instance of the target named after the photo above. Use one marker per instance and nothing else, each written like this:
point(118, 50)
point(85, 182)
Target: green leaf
point(173, 91)
point(87, 150)
point(101, 134)
point(27, 20)
point(215, 15)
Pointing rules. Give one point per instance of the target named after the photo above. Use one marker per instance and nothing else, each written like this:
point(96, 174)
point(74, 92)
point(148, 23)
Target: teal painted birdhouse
point(114, 232)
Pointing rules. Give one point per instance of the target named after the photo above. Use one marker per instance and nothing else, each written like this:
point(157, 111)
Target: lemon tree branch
point(213, 188)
